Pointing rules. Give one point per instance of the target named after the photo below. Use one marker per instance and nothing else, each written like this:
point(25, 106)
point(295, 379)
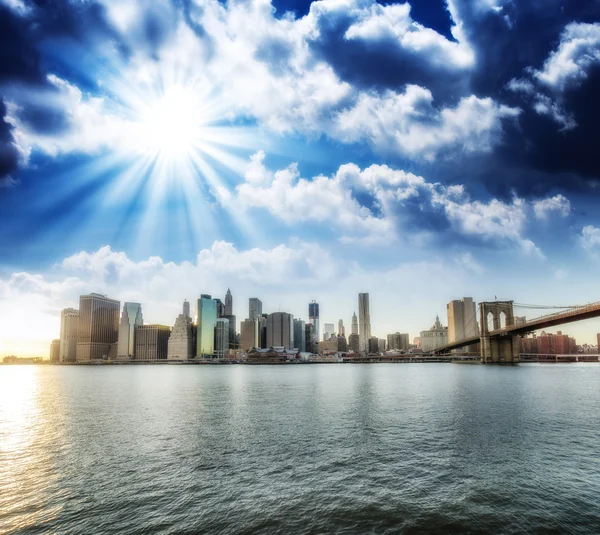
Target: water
point(434, 448)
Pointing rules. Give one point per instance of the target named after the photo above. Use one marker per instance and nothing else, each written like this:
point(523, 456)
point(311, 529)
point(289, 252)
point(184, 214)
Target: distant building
point(207, 322)
point(364, 321)
point(398, 341)
point(382, 345)
point(435, 337)
point(131, 318)
point(254, 308)
point(462, 321)
point(555, 344)
point(354, 324)
point(98, 326)
point(280, 330)
point(373, 344)
point(314, 319)
point(300, 335)
point(181, 341)
point(520, 320)
point(222, 338)
point(249, 334)
point(263, 331)
point(328, 330)
point(220, 307)
point(328, 346)
point(55, 350)
point(529, 345)
point(417, 341)
point(341, 328)
point(354, 343)
point(309, 338)
point(342, 343)
point(69, 323)
point(228, 303)
point(152, 342)
point(233, 343)
point(272, 354)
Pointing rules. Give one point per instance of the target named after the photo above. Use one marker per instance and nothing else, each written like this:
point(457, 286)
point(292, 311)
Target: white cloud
point(578, 50)
point(590, 237)
point(558, 204)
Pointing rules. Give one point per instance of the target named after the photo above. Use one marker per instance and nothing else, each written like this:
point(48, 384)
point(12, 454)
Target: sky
point(289, 150)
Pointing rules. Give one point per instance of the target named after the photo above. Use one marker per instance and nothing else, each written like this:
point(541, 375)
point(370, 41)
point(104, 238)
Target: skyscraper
point(69, 321)
point(186, 308)
point(249, 334)
point(181, 341)
point(98, 326)
point(254, 308)
point(228, 303)
point(130, 319)
point(354, 324)
point(207, 321)
point(220, 307)
point(462, 320)
point(313, 318)
point(341, 328)
point(222, 338)
point(280, 330)
point(55, 350)
point(364, 321)
point(300, 335)
point(309, 335)
point(152, 342)
point(232, 330)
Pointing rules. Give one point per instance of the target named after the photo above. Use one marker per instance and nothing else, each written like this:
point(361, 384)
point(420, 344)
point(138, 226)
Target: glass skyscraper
point(207, 321)
point(131, 318)
point(98, 326)
point(254, 308)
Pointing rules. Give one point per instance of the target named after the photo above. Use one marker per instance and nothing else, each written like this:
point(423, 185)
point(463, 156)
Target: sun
point(171, 124)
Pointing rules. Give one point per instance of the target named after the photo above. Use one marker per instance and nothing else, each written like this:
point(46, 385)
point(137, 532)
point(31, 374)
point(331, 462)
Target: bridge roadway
point(571, 315)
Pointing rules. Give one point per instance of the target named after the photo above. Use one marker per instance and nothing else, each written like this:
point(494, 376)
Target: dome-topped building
point(435, 337)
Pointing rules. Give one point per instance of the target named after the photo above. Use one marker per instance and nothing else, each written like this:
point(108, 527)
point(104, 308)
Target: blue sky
point(297, 151)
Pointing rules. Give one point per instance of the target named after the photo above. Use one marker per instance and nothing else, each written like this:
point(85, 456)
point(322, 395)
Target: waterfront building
point(152, 342)
point(328, 346)
point(435, 337)
point(222, 338)
point(309, 335)
point(98, 326)
point(342, 343)
point(382, 344)
point(529, 344)
point(254, 308)
point(55, 350)
point(263, 331)
point(354, 343)
point(354, 324)
point(280, 330)
point(233, 343)
point(314, 319)
point(373, 345)
point(398, 341)
point(249, 334)
point(181, 341)
point(300, 335)
point(555, 344)
point(228, 303)
point(364, 321)
point(328, 330)
point(462, 321)
point(131, 318)
point(205, 330)
point(69, 322)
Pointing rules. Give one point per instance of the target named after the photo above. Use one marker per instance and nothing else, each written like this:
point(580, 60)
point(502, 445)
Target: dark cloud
point(275, 53)
point(9, 156)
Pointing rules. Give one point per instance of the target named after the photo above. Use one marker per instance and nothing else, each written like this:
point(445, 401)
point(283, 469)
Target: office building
point(373, 345)
point(280, 330)
point(328, 330)
point(228, 303)
point(69, 322)
point(249, 334)
point(462, 320)
point(263, 331)
point(220, 307)
point(309, 337)
point(398, 341)
point(152, 342)
point(354, 343)
point(205, 331)
point(382, 345)
point(55, 350)
point(233, 344)
point(341, 328)
point(342, 343)
point(98, 326)
point(364, 321)
point(131, 318)
point(555, 344)
point(222, 338)
point(354, 324)
point(254, 308)
point(300, 335)
point(181, 341)
point(314, 320)
point(435, 337)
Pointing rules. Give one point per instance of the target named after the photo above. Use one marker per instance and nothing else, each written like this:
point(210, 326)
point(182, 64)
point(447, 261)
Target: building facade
point(181, 341)
point(152, 342)
point(69, 322)
point(354, 324)
point(55, 351)
point(435, 337)
point(398, 341)
point(300, 335)
point(97, 328)
point(249, 334)
point(280, 330)
point(328, 330)
point(131, 319)
point(364, 321)
point(462, 321)
point(222, 338)
point(205, 331)
point(254, 308)
point(309, 338)
point(314, 320)
point(354, 343)
point(228, 303)
point(186, 308)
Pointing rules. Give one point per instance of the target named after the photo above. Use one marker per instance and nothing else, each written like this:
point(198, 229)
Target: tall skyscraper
point(309, 336)
point(364, 321)
point(220, 307)
point(313, 318)
point(254, 308)
point(280, 330)
point(69, 321)
point(462, 320)
point(249, 334)
point(181, 341)
point(222, 338)
point(300, 335)
point(353, 343)
point(232, 330)
point(98, 326)
point(152, 342)
point(341, 328)
point(354, 324)
point(207, 321)
point(228, 303)
point(131, 318)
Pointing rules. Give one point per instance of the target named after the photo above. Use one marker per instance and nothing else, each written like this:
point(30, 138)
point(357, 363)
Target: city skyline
point(417, 152)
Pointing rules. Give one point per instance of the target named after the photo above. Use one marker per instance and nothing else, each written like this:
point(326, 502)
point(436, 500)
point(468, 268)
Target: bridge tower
point(497, 349)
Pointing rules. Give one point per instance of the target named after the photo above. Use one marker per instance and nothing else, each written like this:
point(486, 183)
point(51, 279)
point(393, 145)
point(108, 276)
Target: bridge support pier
point(497, 349)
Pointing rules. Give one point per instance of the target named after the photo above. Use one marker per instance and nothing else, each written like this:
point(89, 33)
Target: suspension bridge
point(499, 340)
